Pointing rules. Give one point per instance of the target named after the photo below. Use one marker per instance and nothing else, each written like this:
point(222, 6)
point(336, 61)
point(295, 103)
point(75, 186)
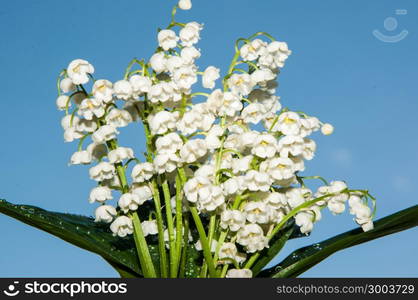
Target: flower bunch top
point(232, 152)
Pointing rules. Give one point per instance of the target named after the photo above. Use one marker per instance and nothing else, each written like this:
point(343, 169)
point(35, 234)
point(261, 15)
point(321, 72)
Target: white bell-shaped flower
point(142, 172)
point(122, 226)
point(102, 171)
point(289, 123)
point(241, 84)
point(123, 89)
point(143, 191)
point(169, 143)
point(81, 157)
point(257, 212)
point(97, 151)
point(167, 39)
point(140, 84)
point(78, 71)
point(118, 117)
point(103, 90)
point(239, 273)
point(90, 108)
point(279, 168)
point(192, 150)
point(166, 163)
point(252, 50)
point(63, 102)
point(129, 202)
point(162, 122)
point(190, 34)
point(105, 213)
point(149, 227)
point(210, 75)
point(265, 146)
point(100, 194)
point(85, 125)
point(251, 236)
point(257, 181)
point(104, 133)
point(120, 154)
point(232, 220)
point(67, 85)
point(158, 62)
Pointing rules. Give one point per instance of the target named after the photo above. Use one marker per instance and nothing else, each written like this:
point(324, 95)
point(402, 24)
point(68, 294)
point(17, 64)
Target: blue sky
point(338, 71)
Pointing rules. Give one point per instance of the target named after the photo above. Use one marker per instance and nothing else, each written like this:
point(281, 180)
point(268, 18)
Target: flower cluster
point(231, 155)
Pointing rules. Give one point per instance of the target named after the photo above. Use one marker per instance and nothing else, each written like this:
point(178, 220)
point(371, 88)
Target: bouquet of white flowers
point(218, 191)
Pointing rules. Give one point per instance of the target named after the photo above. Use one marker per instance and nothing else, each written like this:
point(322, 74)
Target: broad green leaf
point(275, 246)
point(304, 258)
point(82, 232)
point(123, 271)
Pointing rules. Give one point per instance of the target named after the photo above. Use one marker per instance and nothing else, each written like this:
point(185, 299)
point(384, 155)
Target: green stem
point(170, 226)
point(199, 94)
point(237, 202)
point(204, 241)
point(142, 248)
point(262, 33)
point(204, 270)
point(212, 223)
point(80, 143)
point(201, 230)
point(222, 238)
point(120, 170)
point(130, 65)
point(160, 227)
point(315, 177)
point(211, 232)
point(179, 219)
point(140, 242)
point(224, 270)
point(184, 252)
point(157, 202)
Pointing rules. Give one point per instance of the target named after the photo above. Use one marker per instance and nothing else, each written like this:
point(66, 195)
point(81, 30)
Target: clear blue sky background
point(338, 71)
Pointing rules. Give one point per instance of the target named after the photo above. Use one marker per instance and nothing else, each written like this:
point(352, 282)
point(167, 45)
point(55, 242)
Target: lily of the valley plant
point(219, 189)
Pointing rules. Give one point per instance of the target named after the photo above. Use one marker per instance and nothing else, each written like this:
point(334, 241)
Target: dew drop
point(317, 247)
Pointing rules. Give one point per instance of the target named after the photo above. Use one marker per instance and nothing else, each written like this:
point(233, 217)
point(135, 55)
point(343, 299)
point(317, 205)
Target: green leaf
point(304, 258)
point(123, 271)
point(82, 232)
point(193, 262)
point(275, 246)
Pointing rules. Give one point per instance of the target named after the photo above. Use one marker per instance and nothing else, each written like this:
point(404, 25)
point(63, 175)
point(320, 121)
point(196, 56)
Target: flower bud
point(185, 4)
point(327, 129)
point(67, 85)
point(62, 102)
